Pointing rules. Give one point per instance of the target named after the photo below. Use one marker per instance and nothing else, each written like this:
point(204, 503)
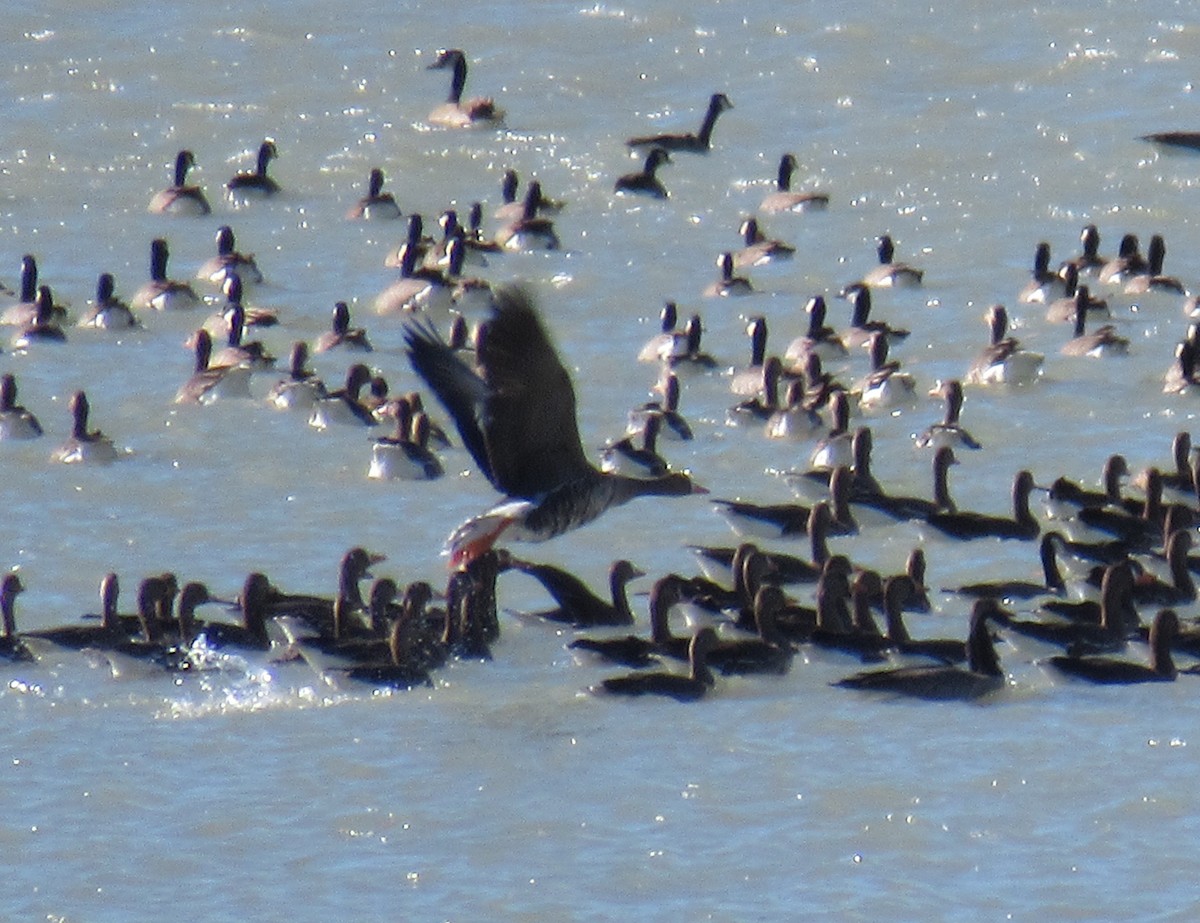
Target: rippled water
point(967, 131)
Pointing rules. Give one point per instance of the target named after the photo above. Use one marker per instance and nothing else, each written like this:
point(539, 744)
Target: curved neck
point(458, 80)
point(710, 121)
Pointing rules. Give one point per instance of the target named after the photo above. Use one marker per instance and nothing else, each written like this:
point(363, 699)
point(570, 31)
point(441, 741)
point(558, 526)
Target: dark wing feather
point(529, 422)
point(461, 391)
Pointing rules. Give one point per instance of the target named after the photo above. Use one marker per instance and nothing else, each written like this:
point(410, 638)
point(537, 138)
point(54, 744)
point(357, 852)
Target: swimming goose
point(344, 405)
point(210, 382)
point(982, 677)
point(1127, 263)
point(1152, 279)
point(251, 633)
point(814, 482)
point(672, 424)
point(85, 446)
point(786, 520)
point(693, 357)
point(577, 604)
point(1003, 360)
point(626, 457)
point(179, 198)
point(108, 312)
point(1099, 343)
point(1052, 580)
point(698, 143)
point(913, 508)
point(316, 613)
point(672, 685)
point(971, 525)
point(1065, 309)
point(836, 448)
point(510, 207)
point(1044, 283)
point(765, 403)
point(793, 418)
point(437, 256)
point(1180, 377)
point(1138, 529)
point(79, 636)
point(253, 355)
point(727, 283)
point(820, 339)
point(405, 455)
point(949, 432)
point(1112, 671)
point(15, 421)
point(44, 326)
point(341, 651)
point(301, 388)
point(861, 326)
point(769, 652)
point(1089, 625)
point(1089, 260)
point(403, 668)
point(890, 274)
point(645, 181)
point(23, 310)
point(758, 249)
point(12, 648)
point(219, 323)
point(1067, 496)
point(229, 261)
point(783, 199)
point(474, 112)
point(417, 289)
point(244, 186)
point(747, 380)
point(342, 334)
point(376, 205)
point(516, 416)
point(898, 590)
point(162, 293)
point(1180, 589)
point(887, 386)
point(530, 231)
point(1182, 476)
point(513, 208)
point(416, 241)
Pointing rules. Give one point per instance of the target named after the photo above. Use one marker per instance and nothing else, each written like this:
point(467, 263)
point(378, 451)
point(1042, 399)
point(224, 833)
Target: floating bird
point(162, 293)
point(376, 205)
point(645, 181)
point(982, 677)
point(85, 446)
point(179, 198)
point(516, 416)
point(15, 421)
point(698, 143)
point(455, 112)
point(672, 685)
point(783, 199)
point(244, 186)
point(1113, 671)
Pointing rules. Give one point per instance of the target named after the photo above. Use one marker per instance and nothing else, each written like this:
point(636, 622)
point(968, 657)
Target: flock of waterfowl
point(511, 403)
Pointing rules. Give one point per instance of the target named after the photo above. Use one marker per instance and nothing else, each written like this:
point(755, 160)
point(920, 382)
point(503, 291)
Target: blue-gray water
point(967, 131)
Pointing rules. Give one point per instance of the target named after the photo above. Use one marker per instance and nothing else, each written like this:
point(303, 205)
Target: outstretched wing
point(529, 423)
point(461, 391)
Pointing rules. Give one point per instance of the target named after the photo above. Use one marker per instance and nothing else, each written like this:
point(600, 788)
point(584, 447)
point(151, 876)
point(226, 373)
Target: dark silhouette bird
point(698, 143)
point(1112, 670)
point(982, 677)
